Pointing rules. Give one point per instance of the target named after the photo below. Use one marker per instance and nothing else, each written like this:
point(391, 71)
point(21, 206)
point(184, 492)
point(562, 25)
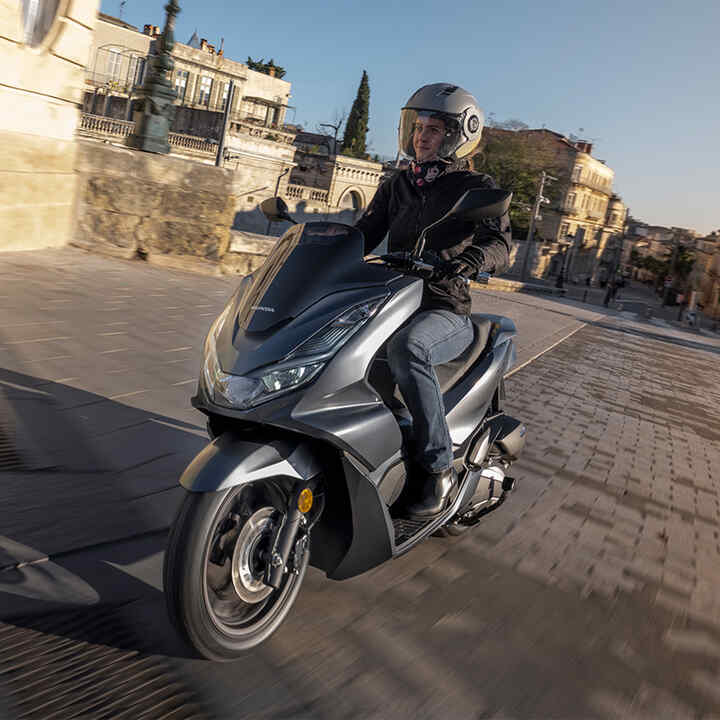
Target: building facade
point(44, 48)
point(578, 231)
point(201, 78)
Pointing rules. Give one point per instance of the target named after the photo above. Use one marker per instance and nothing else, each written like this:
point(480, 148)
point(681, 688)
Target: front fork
point(293, 531)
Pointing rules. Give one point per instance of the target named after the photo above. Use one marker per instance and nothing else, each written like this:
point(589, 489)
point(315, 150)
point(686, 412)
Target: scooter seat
point(448, 374)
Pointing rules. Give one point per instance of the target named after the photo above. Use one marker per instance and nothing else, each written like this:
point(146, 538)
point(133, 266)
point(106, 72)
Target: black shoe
point(436, 493)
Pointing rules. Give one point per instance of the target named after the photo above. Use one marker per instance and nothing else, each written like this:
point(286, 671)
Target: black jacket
point(403, 209)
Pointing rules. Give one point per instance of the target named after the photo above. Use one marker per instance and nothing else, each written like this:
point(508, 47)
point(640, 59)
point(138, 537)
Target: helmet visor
point(411, 121)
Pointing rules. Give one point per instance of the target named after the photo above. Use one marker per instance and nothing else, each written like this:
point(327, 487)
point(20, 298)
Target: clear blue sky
point(641, 77)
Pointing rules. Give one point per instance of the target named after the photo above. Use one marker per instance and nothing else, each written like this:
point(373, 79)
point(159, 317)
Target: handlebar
point(410, 263)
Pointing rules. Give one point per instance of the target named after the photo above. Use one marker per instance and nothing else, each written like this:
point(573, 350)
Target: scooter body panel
point(230, 460)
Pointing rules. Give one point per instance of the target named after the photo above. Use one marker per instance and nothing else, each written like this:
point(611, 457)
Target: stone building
point(44, 47)
point(707, 280)
point(201, 78)
point(576, 229)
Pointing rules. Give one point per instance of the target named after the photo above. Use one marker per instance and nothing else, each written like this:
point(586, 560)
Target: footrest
point(406, 528)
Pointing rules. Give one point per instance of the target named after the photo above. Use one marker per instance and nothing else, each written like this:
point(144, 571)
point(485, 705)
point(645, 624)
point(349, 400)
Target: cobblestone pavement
point(592, 592)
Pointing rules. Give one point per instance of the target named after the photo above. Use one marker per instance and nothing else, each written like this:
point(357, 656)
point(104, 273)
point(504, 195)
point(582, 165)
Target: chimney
point(584, 147)
point(203, 44)
point(148, 30)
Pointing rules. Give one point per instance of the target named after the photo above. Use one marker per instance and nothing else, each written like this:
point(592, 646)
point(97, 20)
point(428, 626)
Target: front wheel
point(214, 569)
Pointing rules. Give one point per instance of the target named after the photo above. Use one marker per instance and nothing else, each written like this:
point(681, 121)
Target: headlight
point(211, 365)
point(339, 331)
point(241, 393)
point(278, 380)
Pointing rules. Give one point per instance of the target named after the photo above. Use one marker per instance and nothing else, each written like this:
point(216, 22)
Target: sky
point(639, 78)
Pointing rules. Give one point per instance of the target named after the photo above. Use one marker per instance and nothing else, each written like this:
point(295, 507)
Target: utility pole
point(671, 270)
point(539, 199)
point(226, 115)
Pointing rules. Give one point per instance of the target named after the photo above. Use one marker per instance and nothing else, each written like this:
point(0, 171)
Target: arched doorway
point(351, 205)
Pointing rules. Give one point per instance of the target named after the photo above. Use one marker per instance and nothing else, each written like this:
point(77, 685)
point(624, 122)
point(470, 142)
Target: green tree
point(355, 138)
point(264, 67)
point(516, 162)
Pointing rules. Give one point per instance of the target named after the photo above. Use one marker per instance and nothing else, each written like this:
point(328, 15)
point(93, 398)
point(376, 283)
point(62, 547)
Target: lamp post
point(277, 190)
point(156, 109)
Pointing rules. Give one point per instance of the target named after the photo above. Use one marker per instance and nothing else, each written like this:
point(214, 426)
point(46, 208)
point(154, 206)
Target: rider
point(439, 125)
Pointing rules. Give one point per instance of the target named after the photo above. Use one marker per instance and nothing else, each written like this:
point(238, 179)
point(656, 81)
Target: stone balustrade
point(191, 142)
point(240, 127)
point(300, 192)
point(98, 125)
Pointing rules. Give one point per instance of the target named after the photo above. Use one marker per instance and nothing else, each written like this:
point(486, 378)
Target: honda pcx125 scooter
point(309, 432)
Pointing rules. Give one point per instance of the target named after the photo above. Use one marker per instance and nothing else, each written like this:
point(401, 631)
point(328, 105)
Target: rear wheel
point(214, 569)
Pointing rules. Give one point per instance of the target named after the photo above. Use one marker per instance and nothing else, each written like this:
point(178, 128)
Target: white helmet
point(456, 107)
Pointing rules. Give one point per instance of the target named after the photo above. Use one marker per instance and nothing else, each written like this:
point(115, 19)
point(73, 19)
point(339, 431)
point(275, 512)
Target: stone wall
point(40, 93)
point(169, 210)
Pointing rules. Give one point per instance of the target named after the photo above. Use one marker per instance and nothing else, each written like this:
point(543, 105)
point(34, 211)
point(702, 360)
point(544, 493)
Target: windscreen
point(309, 262)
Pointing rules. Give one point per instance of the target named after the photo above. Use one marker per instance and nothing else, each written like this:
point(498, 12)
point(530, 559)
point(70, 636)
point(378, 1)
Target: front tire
point(213, 570)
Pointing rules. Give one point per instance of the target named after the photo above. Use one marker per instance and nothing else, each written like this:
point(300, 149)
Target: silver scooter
point(309, 432)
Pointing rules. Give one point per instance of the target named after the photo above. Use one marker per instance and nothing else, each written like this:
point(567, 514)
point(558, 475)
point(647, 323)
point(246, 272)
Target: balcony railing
point(243, 127)
point(191, 142)
point(104, 127)
point(300, 192)
point(98, 125)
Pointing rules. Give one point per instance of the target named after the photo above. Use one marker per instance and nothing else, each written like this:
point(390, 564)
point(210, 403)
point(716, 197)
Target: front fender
point(231, 460)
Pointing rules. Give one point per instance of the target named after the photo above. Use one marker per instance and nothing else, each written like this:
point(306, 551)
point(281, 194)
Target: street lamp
point(156, 109)
point(277, 190)
point(336, 129)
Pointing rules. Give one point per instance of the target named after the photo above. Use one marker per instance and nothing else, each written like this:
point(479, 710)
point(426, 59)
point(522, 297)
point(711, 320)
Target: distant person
point(440, 124)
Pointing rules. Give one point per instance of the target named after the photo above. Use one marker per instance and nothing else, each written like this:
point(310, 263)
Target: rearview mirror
point(275, 209)
point(473, 206)
point(481, 203)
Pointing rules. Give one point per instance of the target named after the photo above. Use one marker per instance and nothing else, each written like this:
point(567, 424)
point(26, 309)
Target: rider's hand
point(453, 268)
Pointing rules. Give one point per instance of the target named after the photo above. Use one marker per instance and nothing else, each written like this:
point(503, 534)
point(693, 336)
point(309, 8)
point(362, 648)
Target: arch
point(352, 199)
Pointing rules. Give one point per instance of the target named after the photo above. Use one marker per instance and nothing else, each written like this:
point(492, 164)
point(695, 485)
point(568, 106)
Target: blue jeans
point(430, 338)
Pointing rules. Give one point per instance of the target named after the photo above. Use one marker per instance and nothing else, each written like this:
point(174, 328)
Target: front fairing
point(314, 273)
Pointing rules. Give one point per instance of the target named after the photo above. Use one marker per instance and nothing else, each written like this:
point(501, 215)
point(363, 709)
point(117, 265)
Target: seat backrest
point(450, 373)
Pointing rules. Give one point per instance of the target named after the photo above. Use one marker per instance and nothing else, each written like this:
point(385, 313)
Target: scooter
point(307, 463)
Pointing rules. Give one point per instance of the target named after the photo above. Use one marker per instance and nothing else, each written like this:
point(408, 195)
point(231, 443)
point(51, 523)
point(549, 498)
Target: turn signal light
point(305, 500)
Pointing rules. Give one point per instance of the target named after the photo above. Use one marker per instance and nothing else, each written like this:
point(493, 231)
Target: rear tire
point(205, 571)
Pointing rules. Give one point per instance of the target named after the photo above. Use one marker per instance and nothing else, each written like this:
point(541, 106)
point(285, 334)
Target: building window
point(38, 17)
point(577, 173)
point(613, 219)
point(570, 200)
point(564, 229)
point(181, 79)
point(226, 92)
point(139, 74)
point(205, 89)
point(113, 64)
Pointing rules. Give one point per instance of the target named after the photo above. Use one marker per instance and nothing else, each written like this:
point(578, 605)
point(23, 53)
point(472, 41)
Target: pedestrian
point(439, 125)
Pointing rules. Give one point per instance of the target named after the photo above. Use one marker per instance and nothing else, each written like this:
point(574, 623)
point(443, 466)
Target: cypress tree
point(355, 137)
